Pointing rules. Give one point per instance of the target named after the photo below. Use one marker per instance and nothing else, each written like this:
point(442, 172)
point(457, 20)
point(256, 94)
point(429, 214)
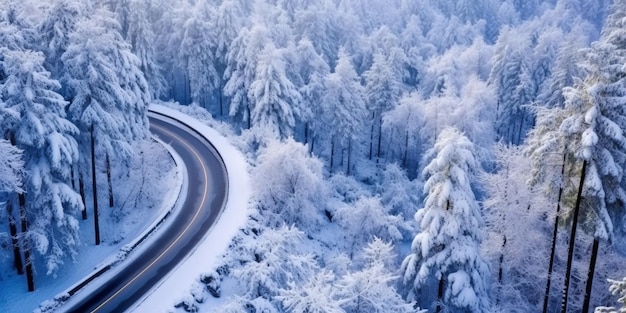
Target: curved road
point(205, 199)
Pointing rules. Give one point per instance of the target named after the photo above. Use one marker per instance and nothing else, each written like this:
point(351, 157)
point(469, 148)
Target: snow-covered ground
point(153, 177)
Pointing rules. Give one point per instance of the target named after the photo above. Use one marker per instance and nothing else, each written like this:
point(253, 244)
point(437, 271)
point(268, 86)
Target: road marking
point(204, 196)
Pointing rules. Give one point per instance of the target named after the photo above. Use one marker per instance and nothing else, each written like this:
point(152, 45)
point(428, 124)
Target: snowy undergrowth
point(313, 240)
point(151, 174)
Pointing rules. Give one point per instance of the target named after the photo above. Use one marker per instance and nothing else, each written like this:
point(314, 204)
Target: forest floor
point(139, 194)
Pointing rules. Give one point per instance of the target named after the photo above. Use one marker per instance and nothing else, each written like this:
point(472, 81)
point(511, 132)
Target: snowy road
point(208, 185)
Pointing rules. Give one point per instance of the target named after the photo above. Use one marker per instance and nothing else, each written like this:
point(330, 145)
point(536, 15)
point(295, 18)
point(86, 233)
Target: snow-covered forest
point(451, 156)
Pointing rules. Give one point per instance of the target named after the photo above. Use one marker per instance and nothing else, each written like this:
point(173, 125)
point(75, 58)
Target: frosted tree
point(289, 185)
point(345, 107)
point(276, 99)
point(109, 95)
point(617, 288)
point(596, 128)
point(447, 247)
point(513, 83)
point(11, 167)
point(141, 36)
point(317, 295)
point(360, 293)
point(319, 25)
point(365, 219)
point(382, 90)
point(55, 29)
point(37, 125)
point(516, 241)
point(273, 260)
point(312, 70)
point(197, 50)
point(241, 69)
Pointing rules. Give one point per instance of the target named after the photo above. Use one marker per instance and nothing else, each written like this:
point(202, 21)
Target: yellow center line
point(204, 196)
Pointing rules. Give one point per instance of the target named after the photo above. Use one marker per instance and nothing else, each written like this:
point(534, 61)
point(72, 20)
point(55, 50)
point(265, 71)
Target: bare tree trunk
point(17, 256)
point(440, 295)
point(572, 239)
point(109, 180)
point(332, 154)
point(349, 155)
point(95, 189)
point(406, 150)
point(555, 233)
point(380, 136)
point(592, 269)
point(25, 244)
point(72, 178)
point(372, 136)
point(81, 187)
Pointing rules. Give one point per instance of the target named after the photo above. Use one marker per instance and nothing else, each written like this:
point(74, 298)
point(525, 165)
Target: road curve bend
point(206, 198)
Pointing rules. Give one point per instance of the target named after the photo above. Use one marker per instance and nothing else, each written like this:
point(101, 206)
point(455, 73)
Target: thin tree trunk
point(572, 240)
point(555, 232)
point(349, 155)
point(81, 187)
point(440, 294)
point(380, 136)
point(72, 178)
point(372, 136)
point(406, 150)
point(590, 273)
point(25, 244)
point(17, 256)
point(332, 154)
point(109, 180)
point(95, 189)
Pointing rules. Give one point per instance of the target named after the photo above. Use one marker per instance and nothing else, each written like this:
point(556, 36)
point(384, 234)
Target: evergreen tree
point(276, 99)
point(447, 247)
point(38, 127)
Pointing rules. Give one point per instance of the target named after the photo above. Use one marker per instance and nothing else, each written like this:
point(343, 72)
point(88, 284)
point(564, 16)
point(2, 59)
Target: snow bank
point(204, 257)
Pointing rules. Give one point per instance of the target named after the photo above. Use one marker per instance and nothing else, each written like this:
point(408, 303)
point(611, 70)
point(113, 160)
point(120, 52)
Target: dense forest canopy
point(448, 148)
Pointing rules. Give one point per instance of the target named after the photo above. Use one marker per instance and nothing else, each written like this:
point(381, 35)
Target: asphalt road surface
point(208, 184)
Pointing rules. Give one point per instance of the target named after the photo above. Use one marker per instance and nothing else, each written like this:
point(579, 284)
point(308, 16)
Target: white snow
point(151, 206)
point(204, 258)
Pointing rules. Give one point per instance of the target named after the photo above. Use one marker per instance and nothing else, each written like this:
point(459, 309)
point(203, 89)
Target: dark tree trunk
point(109, 180)
point(592, 270)
point(95, 189)
point(380, 136)
point(440, 295)
point(25, 244)
point(17, 256)
point(555, 232)
point(349, 155)
point(332, 154)
point(572, 240)
point(406, 150)
point(72, 178)
point(81, 187)
point(372, 136)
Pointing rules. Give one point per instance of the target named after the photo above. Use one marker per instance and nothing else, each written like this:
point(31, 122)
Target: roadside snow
point(206, 255)
point(120, 226)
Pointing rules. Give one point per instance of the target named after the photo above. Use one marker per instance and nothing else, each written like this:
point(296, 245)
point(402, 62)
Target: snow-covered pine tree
point(11, 166)
point(141, 36)
point(345, 107)
point(276, 99)
point(108, 92)
point(197, 49)
point(241, 69)
point(37, 125)
point(312, 70)
point(382, 90)
point(617, 288)
point(446, 250)
point(54, 31)
point(596, 127)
